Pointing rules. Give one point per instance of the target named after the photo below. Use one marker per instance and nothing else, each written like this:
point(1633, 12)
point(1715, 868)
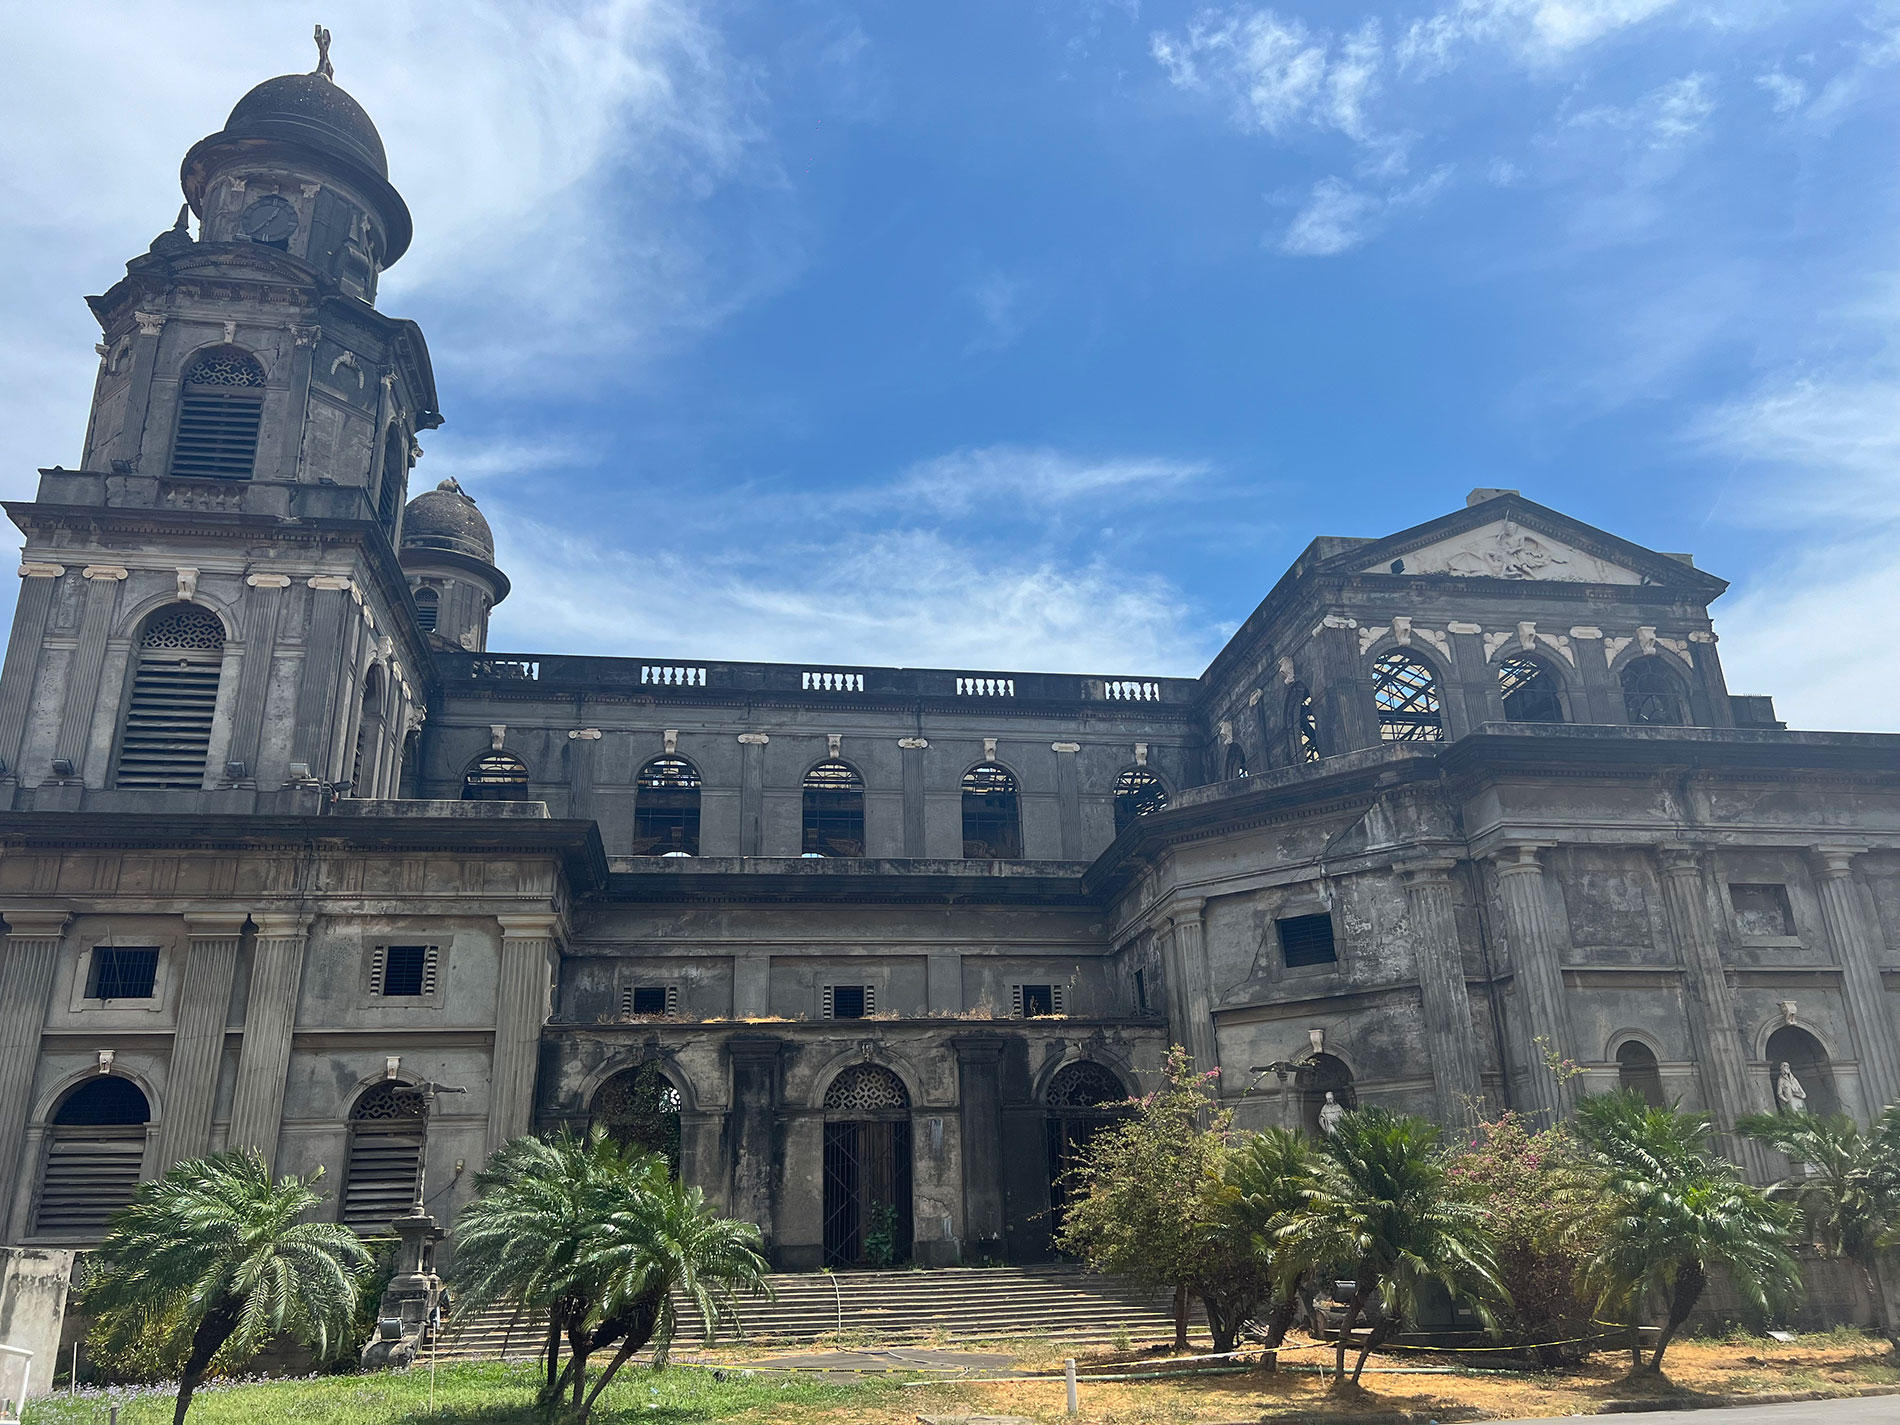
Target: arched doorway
point(386, 1142)
point(1802, 1052)
point(1637, 1072)
point(1083, 1099)
point(867, 1169)
point(94, 1155)
point(640, 1108)
point(1318, 1076)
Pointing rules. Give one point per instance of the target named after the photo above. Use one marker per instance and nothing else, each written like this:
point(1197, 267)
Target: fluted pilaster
point(270, 1017)
point(1858, 947)
point(521, 1009)
point(1718, 1040)
point(1525, 905)
point(1187, 967)
point(88, 662)
point(204, 1001)
point(1449, 1037)
point(27, 962)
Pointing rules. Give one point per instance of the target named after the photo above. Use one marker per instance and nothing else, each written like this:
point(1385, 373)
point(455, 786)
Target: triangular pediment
point(1506, 549)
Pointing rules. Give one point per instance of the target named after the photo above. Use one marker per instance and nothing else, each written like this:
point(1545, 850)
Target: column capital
point(1834, 862)
point(1427, 870)
point(36, 924)
point(281, 924)
point(977, 1048)
point(215, 924)
point(754, 1049)
point(530, 925)
point(1186, 911)
point(1520, 858)
point(1680, 860)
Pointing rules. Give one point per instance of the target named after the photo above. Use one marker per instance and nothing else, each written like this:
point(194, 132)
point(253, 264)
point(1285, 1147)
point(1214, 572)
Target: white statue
point(1329, 1115)
point(1789, 1094)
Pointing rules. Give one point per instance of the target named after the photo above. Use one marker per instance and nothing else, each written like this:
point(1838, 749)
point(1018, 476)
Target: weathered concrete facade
point(1461, 818)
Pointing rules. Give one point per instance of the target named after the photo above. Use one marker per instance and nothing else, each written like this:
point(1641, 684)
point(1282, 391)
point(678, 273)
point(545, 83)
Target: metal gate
point(867, 1193)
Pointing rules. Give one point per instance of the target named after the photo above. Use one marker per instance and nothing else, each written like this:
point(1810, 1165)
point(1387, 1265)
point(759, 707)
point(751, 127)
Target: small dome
point(311, 110)
point(445, 518)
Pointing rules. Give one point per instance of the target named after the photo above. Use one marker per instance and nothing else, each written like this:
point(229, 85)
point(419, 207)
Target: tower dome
point(446, 519)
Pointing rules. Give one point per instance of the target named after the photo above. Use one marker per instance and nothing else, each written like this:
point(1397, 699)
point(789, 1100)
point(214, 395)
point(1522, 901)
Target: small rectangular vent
point(1034, 1001)
point(650, 999)
point(403, 971)
point(123, 972)
point(659, 675)
point(973, 686)
point(847, 1001)
point(217, 434)
point(1307, 940)
point(821, 680)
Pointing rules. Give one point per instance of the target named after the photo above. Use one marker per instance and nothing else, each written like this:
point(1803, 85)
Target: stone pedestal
point(413, 1294)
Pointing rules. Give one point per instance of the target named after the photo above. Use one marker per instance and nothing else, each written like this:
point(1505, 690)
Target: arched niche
point(1638, 1072)
point(640, 1108)
point(1318, 1076)
point(1807, 1057)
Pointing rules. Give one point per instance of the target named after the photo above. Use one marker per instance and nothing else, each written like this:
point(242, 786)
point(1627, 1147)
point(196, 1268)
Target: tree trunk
point(1279, 1322)
point(1180, 1318)
point(213, 1330)
point(1683, 1295)
point(1876, 1289)
point(1377, 1336)
point(1360, 1296)
point(550, 1390)
point(638, 1327)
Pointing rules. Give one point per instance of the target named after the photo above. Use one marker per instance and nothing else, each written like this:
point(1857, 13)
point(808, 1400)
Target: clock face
point(270, 219)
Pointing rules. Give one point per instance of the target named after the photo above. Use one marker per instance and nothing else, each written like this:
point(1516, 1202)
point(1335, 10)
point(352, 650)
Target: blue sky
point(1044, 335)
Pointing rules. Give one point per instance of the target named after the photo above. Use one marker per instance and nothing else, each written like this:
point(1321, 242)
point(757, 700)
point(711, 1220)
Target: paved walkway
point(1871, 1410)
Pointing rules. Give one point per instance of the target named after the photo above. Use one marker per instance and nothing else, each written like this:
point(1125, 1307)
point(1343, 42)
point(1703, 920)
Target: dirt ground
point(1742, 1365)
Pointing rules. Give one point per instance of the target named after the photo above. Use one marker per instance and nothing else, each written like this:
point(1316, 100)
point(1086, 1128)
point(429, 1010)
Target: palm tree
point(1848, 1188)
point(225, 1249)
point(599, 1235)
point(1265, 1182)
point(1668, 1211)
point(1382, 1202)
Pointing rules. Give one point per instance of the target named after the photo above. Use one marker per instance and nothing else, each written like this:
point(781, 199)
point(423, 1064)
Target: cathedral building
point(1464, 817)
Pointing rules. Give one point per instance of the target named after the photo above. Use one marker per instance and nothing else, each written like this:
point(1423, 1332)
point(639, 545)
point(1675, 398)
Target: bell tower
point(253, 426)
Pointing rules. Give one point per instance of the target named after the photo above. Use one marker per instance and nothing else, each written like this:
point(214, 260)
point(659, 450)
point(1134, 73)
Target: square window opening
point(654, 999)
point(1307, 940)
point(1032, 1001)
point(1762, 910)
point(850, 1001)
point(406, 971)
point(123, 972)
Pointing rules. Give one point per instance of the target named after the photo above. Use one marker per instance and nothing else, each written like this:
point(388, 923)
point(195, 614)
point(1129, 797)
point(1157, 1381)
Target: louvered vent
point(428, 606)
point(403, 971)
point(174, 698)
point(385, 1156)
point(1030, 1001)
point(90, 1174)
point(847, 1001)
point(651, 999)
point(219, 409)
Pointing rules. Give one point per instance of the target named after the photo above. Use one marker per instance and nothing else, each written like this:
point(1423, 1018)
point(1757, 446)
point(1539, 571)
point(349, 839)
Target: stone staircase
point(947, 1303)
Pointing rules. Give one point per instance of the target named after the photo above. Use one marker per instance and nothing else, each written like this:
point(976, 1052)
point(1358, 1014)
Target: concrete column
point(38, 584)
point(130, 444)
point(290, 447)
point(752, 793)
point(1341, 690)
point(752, 1129)
point(322, 666)
point(1187, 968)
point(204, 1002)
point(1718, 1042)
point(265, 599)
point(1857, 944)
point(1069, 799)
point(82, 683)
point(980, 1100)
point(1597, 697)
point(523, 998)
point(1449, 1037)
point(270, 1017)
point(1525, 906)
point(1477, 682)
point(913, 749)
point(31, 955)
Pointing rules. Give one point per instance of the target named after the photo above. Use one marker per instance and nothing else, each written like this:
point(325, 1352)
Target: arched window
point(1651, 695)
point(867, 1169)
point(386, 1142)
point(94, 1152)
point(1236, 763)
point(1138, 792)
point(834, 811)
point(640, 1108)
point(992, 820)
point(395, 479)
point(369, 728)
point(1303, 724)
point(220, 406)
point(666, 808)
point(1530, 690)
point(174, 699)
point(1083, 1099)
point(1636, 1072)
point(1405, 691)
point(1320, 1075)
point(1807, 1061)
point(428, 609)
point(496, 777)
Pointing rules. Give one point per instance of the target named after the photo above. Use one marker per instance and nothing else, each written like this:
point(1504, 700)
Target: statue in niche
point(1790, 1097)
point(1330, 1113)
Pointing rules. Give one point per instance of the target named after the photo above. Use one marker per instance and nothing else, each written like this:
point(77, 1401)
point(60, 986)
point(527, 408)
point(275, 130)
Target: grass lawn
point(1839, 1362)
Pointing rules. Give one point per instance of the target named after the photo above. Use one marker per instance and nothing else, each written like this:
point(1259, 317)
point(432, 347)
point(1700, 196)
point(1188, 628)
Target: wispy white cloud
point(1666, 117)
point(1784, 91)
point(1276, 73)
point(1004, 306)
point(1534, 31)
point(988, 477)
point(1337, 217)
